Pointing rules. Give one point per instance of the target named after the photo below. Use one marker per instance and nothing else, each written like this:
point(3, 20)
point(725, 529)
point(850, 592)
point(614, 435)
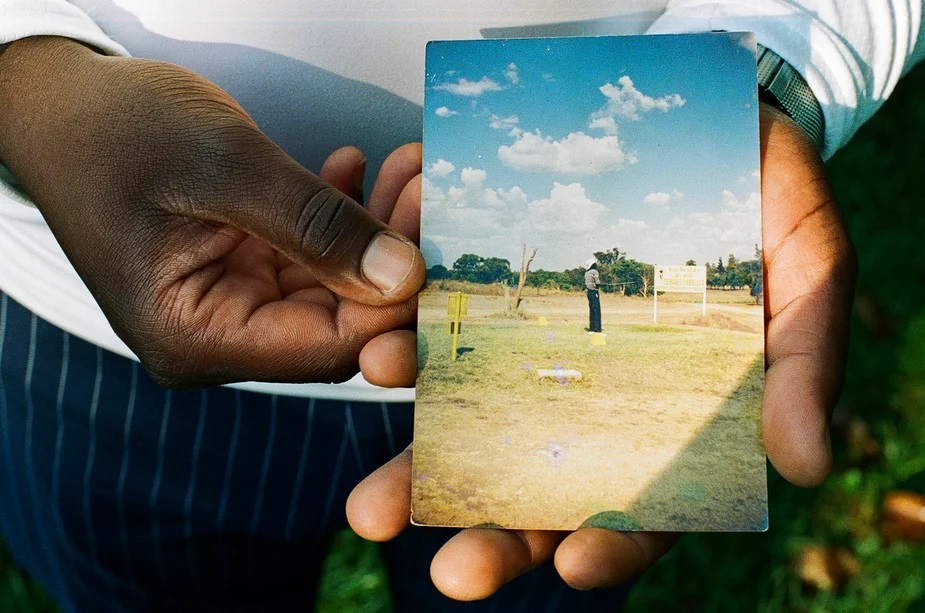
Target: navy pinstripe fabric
point(120, 495)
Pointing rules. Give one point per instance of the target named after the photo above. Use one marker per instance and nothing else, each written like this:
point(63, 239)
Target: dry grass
point(663, 425)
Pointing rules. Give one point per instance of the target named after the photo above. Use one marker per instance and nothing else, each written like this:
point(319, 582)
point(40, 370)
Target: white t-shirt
point(319, 74)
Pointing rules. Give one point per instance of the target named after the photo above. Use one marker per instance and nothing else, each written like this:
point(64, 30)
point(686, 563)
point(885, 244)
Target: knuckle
point(322, 224)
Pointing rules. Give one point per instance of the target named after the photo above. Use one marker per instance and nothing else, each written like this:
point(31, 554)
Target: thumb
point(319, 227)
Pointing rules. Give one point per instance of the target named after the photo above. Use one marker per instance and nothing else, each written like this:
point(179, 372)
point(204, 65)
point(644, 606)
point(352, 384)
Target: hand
point(214, 255)
point(810, 272)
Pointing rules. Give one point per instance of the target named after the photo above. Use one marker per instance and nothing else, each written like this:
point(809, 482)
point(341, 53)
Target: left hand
point(214, 255)
point(810, 271)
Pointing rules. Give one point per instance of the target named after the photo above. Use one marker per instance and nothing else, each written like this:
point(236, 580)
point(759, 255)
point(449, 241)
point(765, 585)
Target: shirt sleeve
point(850, 52)
point(23, 18)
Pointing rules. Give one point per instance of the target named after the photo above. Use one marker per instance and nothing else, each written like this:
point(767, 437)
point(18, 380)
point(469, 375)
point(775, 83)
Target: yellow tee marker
point(457, 308)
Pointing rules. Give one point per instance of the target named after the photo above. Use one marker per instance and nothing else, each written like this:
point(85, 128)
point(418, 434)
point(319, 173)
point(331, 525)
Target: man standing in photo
point(592, 281)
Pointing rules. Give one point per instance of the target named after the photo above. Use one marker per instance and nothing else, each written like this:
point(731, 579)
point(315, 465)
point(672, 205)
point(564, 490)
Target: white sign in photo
point(688, 279)
point(681, 279)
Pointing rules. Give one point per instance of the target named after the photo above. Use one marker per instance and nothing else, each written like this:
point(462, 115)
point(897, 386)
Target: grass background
point(878, 181)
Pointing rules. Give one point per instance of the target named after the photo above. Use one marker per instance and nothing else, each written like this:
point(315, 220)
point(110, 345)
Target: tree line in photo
point(619, 274)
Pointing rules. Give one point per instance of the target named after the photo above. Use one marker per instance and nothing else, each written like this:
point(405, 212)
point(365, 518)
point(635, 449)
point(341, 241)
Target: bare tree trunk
point(524, 270)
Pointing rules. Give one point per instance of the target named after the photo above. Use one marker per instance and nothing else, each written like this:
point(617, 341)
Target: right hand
point(214, 255)
point(810, 268)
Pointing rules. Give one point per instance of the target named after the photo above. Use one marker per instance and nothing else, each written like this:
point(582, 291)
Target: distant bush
point(466, 287)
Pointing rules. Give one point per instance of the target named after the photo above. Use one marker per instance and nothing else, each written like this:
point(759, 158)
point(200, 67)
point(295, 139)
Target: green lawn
point(878, 180)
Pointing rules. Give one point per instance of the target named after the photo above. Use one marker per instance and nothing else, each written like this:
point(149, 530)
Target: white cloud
point(624, 100)
point(429, 191)
point(663, 198)
point(441, 168)
point(472, 194)
point(472, 176)
point(750, 177)
point(465, 87)
point(547, 76)
point(567, 210)
point(497, 198)
point(732, 203)
point(503, 123)
point(475, 221)
point(567, 224)
point(456, 196)
point(607, 124)
point(732, 227)
point(470, 218)
point(630, 224)
point(577, 153)
point(445, 111)
point(512, 74)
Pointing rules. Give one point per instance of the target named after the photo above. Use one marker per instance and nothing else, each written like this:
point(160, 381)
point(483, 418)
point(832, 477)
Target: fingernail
point(388, 261)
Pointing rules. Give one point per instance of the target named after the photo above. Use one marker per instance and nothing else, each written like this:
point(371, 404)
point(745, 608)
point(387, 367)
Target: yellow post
point(456, 309)
point(456, 328)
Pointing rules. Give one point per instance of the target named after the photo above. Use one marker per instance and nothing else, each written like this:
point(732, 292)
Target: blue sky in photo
point(575, 145)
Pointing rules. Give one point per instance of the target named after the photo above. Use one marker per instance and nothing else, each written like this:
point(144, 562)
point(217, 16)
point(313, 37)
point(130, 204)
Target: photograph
point(591, 335)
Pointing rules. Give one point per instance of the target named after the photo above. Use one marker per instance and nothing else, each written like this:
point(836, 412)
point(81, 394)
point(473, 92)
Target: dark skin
point(218, 258)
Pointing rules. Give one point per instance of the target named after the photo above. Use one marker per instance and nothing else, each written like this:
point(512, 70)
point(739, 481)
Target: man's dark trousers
point(594, 304)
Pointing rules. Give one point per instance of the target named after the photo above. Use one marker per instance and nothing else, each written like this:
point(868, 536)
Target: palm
point(246, 299)
point(260, 295)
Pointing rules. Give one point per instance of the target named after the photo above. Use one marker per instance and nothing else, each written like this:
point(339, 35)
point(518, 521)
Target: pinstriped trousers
point(120, 495)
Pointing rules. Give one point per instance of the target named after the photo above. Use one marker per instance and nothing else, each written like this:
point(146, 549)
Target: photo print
point(591, 336)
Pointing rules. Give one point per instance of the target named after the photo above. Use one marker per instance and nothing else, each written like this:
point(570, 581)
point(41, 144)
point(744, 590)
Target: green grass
point(353, 578)
point(18, 593)
point(878, 180)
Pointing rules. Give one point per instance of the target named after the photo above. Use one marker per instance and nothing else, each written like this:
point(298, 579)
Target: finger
point(401, 166)
point(302, 338)
point(477, 562)
point(406, 216)
point(811, 270)
point(314, 224)
point(390, 360)
point(594, 557)
point(379, 508)
point(344, 170)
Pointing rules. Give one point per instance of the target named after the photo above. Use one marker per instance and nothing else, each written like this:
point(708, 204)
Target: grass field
point(662, 427)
